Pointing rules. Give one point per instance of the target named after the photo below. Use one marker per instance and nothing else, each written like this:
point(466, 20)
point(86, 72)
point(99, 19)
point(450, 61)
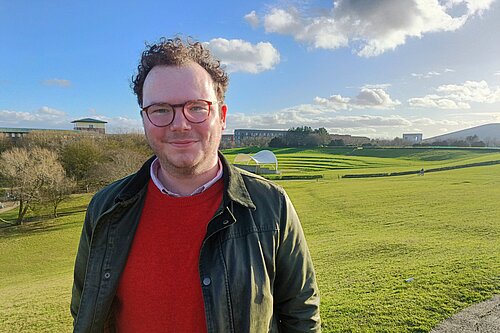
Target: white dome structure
point(242, 159)
point(266, 157)
point(261, 158)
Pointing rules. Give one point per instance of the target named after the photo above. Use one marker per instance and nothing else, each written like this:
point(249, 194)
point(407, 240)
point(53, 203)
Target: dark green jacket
point(256, 273)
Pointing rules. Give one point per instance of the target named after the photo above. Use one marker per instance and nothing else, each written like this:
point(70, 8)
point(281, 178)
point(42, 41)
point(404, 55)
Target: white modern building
point(412, 137)
point(90, 125)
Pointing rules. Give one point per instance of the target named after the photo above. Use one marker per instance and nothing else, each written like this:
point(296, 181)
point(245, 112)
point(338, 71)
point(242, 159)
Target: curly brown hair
point(176, 52)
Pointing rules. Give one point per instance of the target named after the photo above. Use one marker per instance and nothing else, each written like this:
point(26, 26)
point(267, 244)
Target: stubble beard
point(181, 169)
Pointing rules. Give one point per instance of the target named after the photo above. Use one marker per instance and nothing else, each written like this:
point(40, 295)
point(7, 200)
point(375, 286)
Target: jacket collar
point(234, 185)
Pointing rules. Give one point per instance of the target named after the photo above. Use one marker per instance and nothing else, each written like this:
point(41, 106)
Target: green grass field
point(36, 264)
point(367, 236)
point(330, 162)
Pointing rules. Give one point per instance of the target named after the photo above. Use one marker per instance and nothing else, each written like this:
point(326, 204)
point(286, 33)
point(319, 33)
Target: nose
point(180, 123)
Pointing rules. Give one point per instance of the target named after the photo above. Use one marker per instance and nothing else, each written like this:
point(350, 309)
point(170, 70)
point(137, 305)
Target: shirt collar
point(155, 167)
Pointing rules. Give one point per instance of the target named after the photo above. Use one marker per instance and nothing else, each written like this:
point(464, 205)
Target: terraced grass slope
point(343, 160)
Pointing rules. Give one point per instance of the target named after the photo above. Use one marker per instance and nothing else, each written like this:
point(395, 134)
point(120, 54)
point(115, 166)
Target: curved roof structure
point(90, 120)
point(262, 157)
point(242, 158)
point(266, 157)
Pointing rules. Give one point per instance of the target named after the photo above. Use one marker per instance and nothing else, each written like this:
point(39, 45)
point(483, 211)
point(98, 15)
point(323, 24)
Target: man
point(189, 243)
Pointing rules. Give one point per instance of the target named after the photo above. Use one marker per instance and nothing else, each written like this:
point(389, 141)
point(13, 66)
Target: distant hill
point(489, 133)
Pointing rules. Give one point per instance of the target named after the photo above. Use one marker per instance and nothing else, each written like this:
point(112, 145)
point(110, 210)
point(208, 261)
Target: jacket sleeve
point(81, 264)
point(296, 291)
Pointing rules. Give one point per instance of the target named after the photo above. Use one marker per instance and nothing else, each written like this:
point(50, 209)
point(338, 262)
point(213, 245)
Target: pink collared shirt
point(155, 167)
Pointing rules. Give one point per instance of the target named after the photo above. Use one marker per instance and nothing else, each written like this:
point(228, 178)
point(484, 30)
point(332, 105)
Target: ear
point(223, 111)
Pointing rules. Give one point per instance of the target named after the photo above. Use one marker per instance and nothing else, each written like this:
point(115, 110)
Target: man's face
point(183, 148)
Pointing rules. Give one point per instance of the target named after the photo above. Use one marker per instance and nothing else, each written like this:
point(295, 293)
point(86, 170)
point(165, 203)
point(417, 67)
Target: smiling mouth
point(182, 143)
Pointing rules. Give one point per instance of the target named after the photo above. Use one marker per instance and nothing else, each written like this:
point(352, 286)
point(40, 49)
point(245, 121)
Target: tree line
point(302, 136)
point(45, 167)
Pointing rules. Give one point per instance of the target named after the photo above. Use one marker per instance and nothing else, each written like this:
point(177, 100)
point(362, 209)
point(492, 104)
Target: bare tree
point(32, 174)
point(15, 166)
point(56, 187)
point(120, 163)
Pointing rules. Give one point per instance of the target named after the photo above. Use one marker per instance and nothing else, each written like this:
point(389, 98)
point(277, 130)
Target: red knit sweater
point(159, 290)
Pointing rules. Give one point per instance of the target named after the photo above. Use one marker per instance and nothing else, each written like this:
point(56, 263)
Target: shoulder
point(264, 194)
point(114, 189)
point(107, 197)
point(123, 189)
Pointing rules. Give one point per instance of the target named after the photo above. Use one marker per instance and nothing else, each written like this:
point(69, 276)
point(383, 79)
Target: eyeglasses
point(163, 114)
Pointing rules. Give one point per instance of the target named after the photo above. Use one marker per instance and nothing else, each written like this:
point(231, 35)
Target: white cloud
point(373, 121)
point(283, 22)
point(50, 111)
point(321, 32)
point(431, 74)
point(371, 27)
point(377, 85)
point(497, 73)
point(436, 101)
point(473, 6)
point(121, 124)
point(433, 122)
point(427, 75)
point(374, 98)
point(45, 116)
point(57, 82)
point(316, 115)
point(252, 19)
point(453, 96)
point(471, 91)
point(239, 55)
point(14, 117)
point(336, 102)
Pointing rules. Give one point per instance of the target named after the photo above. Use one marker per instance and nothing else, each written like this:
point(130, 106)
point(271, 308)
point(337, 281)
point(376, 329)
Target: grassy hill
point(36, 270)
point(367, 237)
point(331, 162)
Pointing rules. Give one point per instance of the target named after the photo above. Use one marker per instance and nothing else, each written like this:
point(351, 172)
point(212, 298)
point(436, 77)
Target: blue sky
point(360, 67)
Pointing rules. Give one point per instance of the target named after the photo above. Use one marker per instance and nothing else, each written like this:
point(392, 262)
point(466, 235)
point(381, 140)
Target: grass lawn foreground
point(396, 254)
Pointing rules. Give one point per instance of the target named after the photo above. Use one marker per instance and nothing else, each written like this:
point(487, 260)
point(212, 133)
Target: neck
point(185, 184)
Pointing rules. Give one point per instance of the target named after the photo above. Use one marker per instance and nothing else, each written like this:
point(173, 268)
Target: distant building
point(14, 133)
point(18, 133)
point(241, 134)
point(412, 137)
point(227, 141)
point(90, 125)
